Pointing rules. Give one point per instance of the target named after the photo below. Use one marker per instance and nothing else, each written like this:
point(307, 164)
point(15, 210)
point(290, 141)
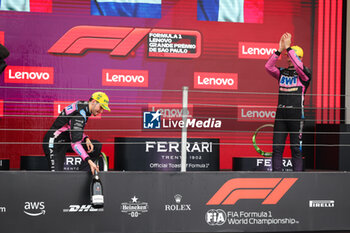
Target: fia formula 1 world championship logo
point(215, 217)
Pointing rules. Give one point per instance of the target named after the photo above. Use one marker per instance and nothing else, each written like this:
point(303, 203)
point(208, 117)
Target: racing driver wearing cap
point(67, 133)
point(293, 83)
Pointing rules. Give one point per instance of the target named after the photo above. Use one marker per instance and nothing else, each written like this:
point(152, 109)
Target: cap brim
point(105, 107)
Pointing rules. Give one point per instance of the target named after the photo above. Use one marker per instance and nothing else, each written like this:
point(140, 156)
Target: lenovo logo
point(271, 190)
point(58, 106)
point(256, 50)
point(122, 40)
point(256, 113)
point(203, 80)
point(173, 111)
point(29, 74)
point(125, 78)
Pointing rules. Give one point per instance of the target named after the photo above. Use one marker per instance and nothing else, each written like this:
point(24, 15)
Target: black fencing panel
point(4, 164)
point(174, 202)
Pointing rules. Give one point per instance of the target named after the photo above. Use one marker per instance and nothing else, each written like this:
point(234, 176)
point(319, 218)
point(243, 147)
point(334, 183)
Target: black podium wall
point(167, 202)
point(333, 147)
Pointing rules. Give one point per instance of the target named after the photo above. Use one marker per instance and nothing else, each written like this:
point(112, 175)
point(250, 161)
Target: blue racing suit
point(293, 83)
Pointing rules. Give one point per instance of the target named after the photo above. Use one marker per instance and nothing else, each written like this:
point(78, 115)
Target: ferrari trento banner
point(164, 154)
point(158, 202)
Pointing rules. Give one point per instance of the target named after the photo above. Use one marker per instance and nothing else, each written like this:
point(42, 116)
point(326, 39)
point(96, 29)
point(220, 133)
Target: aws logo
point(270, 190)
point(288, 81)
point(34, 209)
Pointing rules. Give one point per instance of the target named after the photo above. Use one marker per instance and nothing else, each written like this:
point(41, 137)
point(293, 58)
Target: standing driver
point(67, 132)
point(293, 82)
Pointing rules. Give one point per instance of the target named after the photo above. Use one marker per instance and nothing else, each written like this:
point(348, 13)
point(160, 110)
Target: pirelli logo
point(270, 190)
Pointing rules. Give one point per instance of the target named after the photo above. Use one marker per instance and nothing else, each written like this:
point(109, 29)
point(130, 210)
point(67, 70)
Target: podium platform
point(161, 202)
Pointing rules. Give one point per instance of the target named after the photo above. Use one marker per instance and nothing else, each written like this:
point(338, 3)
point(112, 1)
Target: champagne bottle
point(96, 192)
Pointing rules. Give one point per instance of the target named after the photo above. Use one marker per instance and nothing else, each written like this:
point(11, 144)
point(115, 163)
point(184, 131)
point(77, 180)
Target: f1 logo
point(269, 189)
point(121, 40)
point(118, 39)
